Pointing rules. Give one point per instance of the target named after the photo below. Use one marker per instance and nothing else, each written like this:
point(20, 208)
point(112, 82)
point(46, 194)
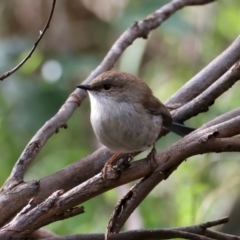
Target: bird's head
point(117, 86)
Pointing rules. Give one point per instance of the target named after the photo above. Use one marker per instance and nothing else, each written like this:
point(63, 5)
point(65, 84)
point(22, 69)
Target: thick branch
point(97, 185)
point(66, 179)
point(24, 221)
point(10, 72)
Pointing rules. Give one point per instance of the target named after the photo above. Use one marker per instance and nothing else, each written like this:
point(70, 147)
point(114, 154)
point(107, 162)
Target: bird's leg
point(121, 165)
point(109, 163)
point(151, 158)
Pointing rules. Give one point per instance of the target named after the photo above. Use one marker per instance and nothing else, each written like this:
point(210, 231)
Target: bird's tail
point(180, 129)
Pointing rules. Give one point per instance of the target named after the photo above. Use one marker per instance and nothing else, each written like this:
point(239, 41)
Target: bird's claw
point(110, 171)
point(151, 158)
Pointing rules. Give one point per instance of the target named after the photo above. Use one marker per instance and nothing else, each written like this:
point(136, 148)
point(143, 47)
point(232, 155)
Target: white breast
point(122, 127)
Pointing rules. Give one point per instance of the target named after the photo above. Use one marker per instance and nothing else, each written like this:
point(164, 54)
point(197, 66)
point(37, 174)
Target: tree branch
point(222, 118)
point(202, 102)
point(196, 231)
point(10, 72)
point(32, 217)
point(139, 235)
point(201, 141)
point(206, 77)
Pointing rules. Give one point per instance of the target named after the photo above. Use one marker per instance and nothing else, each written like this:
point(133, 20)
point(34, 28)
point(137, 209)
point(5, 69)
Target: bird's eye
point(107, 86)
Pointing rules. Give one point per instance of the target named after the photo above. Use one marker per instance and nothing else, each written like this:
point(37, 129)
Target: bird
point(125, 115)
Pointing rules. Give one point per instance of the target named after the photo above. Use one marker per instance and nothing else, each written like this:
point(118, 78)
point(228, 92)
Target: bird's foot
point(110, 171)
point(151, 158)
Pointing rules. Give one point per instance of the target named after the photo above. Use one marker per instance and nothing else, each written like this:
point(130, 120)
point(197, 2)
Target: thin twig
point(10, 72)
point(210, 224)
point(165, 233)
point(139, 235)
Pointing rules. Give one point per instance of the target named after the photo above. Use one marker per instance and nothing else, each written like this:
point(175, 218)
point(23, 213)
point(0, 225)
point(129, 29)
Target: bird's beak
point(85, 87)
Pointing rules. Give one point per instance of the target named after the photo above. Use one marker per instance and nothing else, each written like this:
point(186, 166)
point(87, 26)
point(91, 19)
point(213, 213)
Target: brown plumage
point(125, 115)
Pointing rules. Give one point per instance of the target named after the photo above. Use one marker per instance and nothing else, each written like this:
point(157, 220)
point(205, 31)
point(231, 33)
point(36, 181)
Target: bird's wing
point(156, 107)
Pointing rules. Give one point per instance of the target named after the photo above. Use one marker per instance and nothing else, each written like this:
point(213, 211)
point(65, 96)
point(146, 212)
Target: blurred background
point(204, 187)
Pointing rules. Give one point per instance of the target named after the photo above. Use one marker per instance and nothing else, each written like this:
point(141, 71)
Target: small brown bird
point(125, 115)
